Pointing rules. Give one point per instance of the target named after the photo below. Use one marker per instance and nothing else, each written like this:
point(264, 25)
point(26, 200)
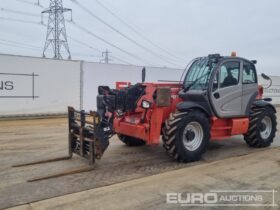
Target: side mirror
point(143, 75)
point(265, 76)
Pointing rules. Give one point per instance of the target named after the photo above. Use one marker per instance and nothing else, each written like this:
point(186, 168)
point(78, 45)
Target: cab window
point(215, 83)
point(229, 74)
point(249, 73)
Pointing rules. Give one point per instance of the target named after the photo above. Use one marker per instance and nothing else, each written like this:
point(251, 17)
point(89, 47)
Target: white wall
point(57, 86)
point(59, 83)
point(96, 74)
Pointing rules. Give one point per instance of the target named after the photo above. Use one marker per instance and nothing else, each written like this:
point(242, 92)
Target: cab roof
point(218, 57)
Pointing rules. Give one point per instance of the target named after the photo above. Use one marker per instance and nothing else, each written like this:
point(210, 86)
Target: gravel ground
point(29, 140)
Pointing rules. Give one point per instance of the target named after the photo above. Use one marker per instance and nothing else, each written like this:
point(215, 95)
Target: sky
point(169, 32)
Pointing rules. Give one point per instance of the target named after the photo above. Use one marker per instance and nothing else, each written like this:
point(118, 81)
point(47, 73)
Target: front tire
point(186, 135)
point(262, 127)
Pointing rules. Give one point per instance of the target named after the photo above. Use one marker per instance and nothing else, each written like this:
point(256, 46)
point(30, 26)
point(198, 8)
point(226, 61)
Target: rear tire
point(186, 135)
point(131, 141)
point(262, 127)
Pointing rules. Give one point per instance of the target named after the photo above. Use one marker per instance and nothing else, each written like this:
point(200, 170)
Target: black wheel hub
point(190, 135)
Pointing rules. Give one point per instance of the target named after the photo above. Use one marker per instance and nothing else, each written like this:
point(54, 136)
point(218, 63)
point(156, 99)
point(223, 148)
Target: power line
point(33, 22)
point(93, 48)
point(85, 44)
point(80, 27)
point(35, 48)
point(121, 60)
point(18, 43)
point(19, 20)
point(19, 12)
point(135, 30)
point(15, 45)
point(86, 31)
point(107, 42)
point(27, 14)
point(36, 3)
point(119, 32)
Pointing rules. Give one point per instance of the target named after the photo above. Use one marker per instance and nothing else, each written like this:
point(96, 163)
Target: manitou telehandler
point(218, 98)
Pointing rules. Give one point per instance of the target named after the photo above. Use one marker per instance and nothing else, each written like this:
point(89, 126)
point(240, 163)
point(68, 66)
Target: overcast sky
point(184, 28)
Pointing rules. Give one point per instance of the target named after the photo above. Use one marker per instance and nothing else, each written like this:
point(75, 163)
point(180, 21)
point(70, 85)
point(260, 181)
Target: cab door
point(250, 86)
point(226, 95)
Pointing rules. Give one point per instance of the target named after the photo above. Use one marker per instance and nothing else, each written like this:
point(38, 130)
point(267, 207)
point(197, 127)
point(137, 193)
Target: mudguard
point(183, 106)
point(261, 103)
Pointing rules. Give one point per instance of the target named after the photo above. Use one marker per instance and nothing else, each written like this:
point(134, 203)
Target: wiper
point(194, 82)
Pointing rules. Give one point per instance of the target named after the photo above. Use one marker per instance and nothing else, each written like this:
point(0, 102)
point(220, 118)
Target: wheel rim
point(266, 127)
point(192, 136)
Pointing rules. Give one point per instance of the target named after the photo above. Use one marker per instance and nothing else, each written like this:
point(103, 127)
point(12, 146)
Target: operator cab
point(223, 86)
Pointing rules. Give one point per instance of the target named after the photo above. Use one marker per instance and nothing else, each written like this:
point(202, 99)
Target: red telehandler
point(218, 98)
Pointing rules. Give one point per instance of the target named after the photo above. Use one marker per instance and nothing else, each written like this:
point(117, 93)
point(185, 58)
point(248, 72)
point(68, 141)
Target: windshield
point(199, 74)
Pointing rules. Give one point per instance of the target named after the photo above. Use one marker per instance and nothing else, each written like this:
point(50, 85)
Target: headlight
point(146, 104)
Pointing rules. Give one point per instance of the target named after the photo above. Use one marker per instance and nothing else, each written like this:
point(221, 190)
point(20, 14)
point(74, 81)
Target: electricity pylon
point(106, 56)
point(56, 32)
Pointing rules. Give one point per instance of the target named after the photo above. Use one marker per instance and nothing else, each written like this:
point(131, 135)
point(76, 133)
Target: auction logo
point(13, 85)
point(253, 198)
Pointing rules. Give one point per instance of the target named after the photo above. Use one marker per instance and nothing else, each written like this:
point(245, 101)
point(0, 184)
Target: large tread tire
point(131, 141)
point(253, 137)
point(173, 135)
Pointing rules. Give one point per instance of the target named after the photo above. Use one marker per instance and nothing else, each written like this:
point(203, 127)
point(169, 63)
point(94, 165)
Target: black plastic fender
point(186, 105)
point(261, 103)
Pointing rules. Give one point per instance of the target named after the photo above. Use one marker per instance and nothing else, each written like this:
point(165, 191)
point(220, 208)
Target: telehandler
point(219, 97)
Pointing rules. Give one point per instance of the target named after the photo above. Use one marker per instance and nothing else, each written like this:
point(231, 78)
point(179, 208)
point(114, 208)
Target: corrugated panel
point(57, 86)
